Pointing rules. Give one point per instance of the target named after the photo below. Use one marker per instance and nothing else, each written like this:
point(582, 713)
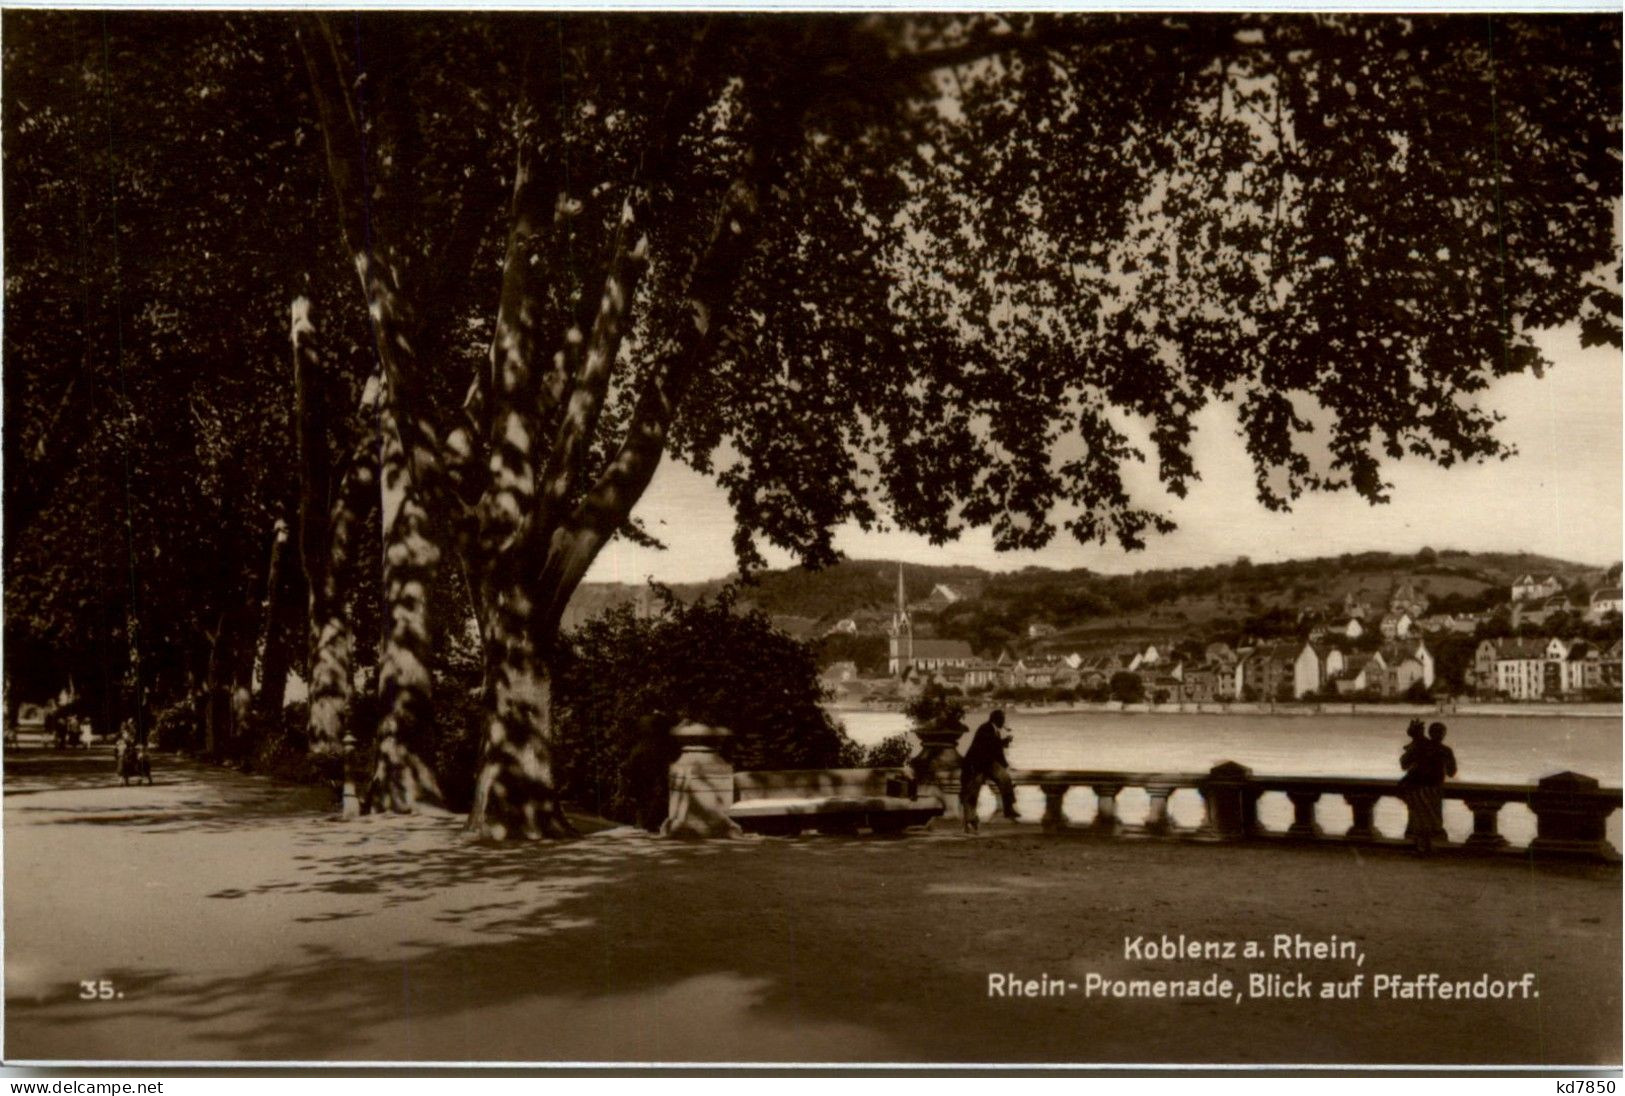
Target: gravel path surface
point(232, 920)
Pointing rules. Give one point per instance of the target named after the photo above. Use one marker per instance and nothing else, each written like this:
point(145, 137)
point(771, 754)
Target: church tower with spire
point(902, 633)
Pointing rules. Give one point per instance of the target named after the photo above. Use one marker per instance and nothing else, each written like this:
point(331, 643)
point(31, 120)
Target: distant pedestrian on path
point(1427, 762)
point(985, 761)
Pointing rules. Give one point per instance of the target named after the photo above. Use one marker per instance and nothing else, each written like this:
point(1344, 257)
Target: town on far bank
point(1429, 628)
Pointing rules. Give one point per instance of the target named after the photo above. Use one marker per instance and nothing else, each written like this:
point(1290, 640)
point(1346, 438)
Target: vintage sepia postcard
point(1075, 539)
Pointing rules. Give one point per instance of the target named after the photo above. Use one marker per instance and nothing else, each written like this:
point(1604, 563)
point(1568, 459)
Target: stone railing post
point(1106, 820)
point(1362, 804)
point(936, 767)
point(1567, 821)
point(1486, 835)
point(349, 800)
point(702, 786)
point(1303, 814)
point(1054, 820)
point(1157, 819)
point(1232, 808)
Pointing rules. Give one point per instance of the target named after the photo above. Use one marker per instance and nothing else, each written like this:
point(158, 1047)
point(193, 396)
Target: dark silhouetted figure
point(132, 755)
point(1417, 739)
point(984, 761)
point(1427, 763)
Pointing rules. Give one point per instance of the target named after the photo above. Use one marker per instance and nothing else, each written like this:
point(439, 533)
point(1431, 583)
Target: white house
point(981, 674)
point(1575, 663)
point(1314, 667)
point(1395, 653)
point(1364, 673)
point(1529, 588)
point(1402, 675)
point(1520, 666)
point(1603, 602)
point(1146, 658)
point(1396, 625)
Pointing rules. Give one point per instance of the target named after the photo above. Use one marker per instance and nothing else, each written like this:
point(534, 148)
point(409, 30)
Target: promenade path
point(236, 922)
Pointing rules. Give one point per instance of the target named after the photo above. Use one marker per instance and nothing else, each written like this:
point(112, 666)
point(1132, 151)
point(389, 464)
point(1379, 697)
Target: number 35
point(96, 991)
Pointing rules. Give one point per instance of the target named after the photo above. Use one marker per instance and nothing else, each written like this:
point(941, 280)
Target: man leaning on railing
point(984, 761)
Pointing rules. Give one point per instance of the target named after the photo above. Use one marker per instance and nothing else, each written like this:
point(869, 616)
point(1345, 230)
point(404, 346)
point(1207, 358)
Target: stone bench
point(831, 801)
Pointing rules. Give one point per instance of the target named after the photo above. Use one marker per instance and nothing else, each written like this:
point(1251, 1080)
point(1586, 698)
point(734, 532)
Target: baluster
point(1054, 820)
point(1486, 835)
point(1362, 804)
point(1106, 807)
point(1303, 813)
point(1157, 819)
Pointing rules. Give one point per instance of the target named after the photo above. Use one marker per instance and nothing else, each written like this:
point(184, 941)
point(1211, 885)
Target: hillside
point(1086, 608)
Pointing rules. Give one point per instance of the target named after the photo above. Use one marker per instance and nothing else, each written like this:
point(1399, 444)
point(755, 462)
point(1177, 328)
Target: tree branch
point(574, 544)
point(393, 330)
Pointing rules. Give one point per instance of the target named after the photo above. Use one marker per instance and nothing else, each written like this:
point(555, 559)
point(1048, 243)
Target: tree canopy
point(939, 271)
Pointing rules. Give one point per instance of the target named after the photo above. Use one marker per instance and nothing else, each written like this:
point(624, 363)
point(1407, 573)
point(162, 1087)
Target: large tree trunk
point(315, 476)
point(515, 796)
point(237, 661)
point(216, 688)
point(330, 524)
point(332, 654)
point(284, 632)
point(270, 675)
point(401, 778)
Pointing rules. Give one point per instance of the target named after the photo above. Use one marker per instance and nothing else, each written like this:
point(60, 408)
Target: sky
point(1559, 496)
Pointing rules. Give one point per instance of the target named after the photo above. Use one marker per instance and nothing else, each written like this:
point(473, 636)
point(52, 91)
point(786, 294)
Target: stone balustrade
point(1571, 810)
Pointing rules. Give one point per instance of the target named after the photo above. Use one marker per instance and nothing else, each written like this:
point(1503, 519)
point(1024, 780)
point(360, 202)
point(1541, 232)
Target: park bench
point(831, 801)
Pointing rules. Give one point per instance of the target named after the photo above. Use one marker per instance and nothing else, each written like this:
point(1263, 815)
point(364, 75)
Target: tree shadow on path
point(396, 938)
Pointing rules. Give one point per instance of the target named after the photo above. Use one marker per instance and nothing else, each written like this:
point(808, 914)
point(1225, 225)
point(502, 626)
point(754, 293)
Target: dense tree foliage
point(159, 221)
point(922, 269)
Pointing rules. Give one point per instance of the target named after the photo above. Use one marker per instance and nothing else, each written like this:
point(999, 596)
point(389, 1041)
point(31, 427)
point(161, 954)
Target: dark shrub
point(178, 727)
point(624, 682)
point(459, 721)
point(1127, 687)
point(936, 707)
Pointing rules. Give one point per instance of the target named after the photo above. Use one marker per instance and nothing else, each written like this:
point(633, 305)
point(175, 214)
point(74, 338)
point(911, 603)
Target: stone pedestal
point(1232, 807)
point(1568, 821)
point(936, 768)
point(702, 786)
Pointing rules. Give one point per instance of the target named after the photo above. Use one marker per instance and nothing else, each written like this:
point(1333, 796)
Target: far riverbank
point(1286, 710)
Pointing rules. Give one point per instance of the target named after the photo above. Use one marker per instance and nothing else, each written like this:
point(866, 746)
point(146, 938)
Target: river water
point(1489, 749)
